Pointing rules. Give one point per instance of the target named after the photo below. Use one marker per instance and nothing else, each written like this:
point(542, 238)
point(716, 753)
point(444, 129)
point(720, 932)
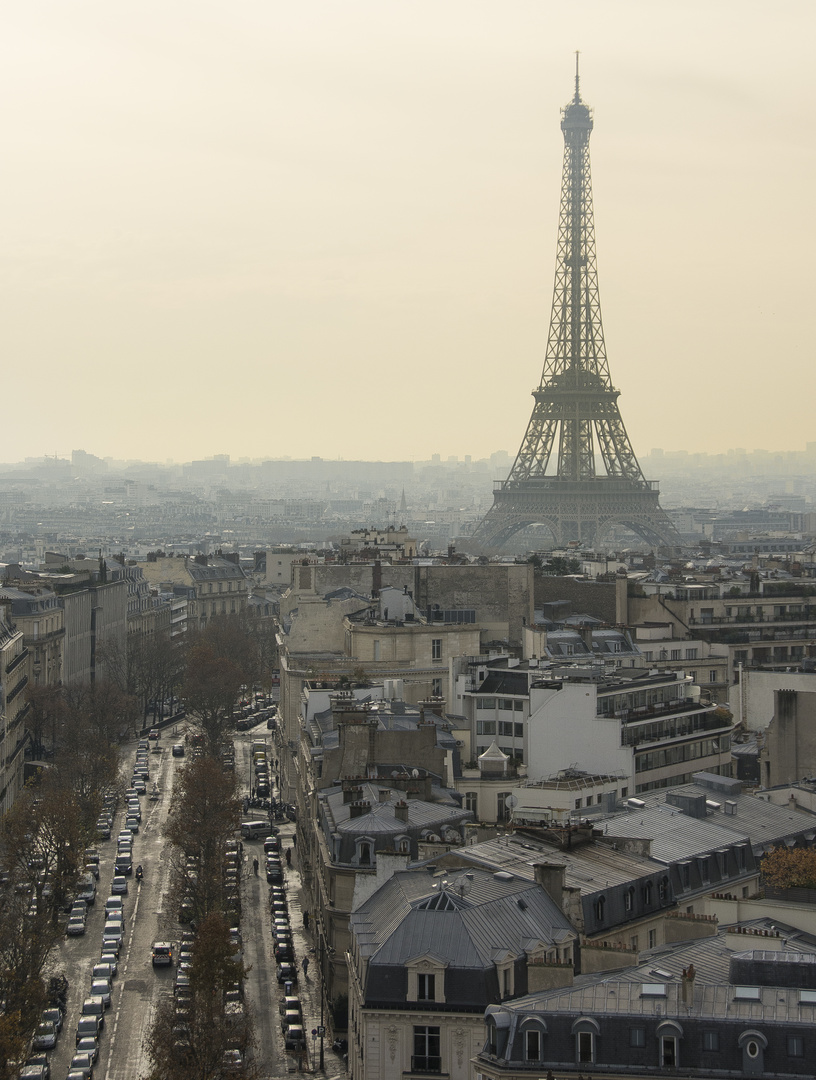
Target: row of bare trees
point(205, 891)
point(43, 838)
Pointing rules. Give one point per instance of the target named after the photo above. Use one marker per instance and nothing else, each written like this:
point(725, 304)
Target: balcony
point(429, 1065)
point(15, 663)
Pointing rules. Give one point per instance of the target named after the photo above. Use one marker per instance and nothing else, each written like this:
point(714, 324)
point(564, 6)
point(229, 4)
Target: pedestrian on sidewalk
point(305, 965)
point(305, 920)
point(288, 856)
point(255, 866)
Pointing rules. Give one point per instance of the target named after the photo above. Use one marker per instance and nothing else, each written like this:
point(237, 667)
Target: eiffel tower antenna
point(576, 472)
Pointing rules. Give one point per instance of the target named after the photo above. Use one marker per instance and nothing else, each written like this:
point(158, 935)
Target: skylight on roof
point(747, 993)
point(653, 990)
point(807, 997)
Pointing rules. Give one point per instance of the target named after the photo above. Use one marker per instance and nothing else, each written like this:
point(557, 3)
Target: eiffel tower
point(576, 426)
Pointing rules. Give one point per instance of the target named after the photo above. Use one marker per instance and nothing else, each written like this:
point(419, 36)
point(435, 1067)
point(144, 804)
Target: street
point(138, 986)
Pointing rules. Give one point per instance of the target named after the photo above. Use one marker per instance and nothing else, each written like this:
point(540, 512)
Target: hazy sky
point(271, 227)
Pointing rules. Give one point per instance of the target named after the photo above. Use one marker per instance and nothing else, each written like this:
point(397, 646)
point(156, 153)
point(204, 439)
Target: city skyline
point(329, 232)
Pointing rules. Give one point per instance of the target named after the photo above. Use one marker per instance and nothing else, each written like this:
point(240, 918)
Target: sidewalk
point(308, 987)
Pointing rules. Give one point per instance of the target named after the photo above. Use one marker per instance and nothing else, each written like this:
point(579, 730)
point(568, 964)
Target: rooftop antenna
point(577, 97)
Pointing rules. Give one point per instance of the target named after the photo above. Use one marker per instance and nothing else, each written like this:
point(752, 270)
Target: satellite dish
point(415, 774)
point(511, 802)
point(462, 885)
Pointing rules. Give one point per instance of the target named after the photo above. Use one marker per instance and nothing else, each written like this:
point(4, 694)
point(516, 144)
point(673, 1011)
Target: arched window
point(586, 1031)
point(647, 894)
point(629, 899)
point(365, 851)
point(600, 905)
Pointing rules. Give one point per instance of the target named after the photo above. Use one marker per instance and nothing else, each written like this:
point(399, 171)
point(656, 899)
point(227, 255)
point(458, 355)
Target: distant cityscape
point(87, 502)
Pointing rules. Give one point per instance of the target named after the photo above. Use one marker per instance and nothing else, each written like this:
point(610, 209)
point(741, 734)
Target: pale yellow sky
point(327, 227)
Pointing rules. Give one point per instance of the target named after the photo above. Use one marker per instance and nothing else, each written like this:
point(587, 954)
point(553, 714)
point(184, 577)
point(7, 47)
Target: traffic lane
point(139, 989)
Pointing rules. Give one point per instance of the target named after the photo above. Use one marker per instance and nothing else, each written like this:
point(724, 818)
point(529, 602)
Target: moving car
point(162, 953)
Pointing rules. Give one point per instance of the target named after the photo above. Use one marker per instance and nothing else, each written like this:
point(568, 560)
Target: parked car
point(178, 749)
point(119, 885)
point(102, 988)
point(88, 1026)
point(45, 1037)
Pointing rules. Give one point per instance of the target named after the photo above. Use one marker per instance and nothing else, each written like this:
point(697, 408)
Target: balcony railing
point(18, 659)
point(429, 1063)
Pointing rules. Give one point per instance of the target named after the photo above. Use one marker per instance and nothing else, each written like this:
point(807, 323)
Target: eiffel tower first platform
point(576, 472)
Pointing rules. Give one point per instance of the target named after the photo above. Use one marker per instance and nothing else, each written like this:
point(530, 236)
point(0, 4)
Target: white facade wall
point(564, 732)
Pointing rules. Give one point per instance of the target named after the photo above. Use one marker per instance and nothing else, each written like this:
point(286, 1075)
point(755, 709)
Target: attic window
point(747, 993)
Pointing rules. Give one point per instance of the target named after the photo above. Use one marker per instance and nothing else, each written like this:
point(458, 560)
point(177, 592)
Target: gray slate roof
point(591, 867)
point(481, 920)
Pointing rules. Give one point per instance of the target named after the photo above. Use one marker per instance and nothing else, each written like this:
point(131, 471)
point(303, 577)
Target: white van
point(252, 830)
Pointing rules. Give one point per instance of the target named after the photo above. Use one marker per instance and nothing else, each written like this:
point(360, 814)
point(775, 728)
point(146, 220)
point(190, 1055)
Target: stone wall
point(596, 598)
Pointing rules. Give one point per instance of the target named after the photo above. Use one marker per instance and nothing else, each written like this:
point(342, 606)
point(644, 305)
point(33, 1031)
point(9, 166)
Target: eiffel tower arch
point(576, 473)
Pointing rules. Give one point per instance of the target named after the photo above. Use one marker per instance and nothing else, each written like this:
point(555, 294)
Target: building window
point(796, 1046)
point(586, 1047)
point(675, 654)
point(624, 792)
point(647, 894)
point(519, 731)
point(712, 676)
point(363, 853)
point(668, 1051)
point(629, 899)
point(532, 1045)
point(472, 802)
point(436, 687)
point(600, 904)
point(578, 804)
point(376, 649)
point(485, 727)
point(634, 942)
point(427, 1056)
point(426, 987)
point(691, 654)
point(436, 648)
point(637, 1036)
point(652, 938)
point(711, 1041)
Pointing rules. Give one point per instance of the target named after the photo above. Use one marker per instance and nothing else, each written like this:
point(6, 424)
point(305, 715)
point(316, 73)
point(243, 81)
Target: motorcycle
point(139, 873)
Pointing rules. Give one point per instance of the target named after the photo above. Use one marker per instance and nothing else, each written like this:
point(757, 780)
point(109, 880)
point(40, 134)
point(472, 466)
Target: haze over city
point(322, 229)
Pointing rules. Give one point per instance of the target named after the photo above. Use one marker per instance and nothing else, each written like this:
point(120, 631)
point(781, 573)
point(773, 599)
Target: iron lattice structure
point(576, 426)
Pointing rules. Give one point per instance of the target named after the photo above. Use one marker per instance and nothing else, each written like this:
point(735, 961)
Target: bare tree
point(43, 838)
point(193, 1048)
point(204, 814)
point(210, 689)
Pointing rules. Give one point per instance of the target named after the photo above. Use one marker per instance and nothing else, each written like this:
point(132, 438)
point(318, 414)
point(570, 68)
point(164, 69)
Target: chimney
point(358, 809)
point(551, 877)
point(401, 811)
point(385, 794)
point(687, 985)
